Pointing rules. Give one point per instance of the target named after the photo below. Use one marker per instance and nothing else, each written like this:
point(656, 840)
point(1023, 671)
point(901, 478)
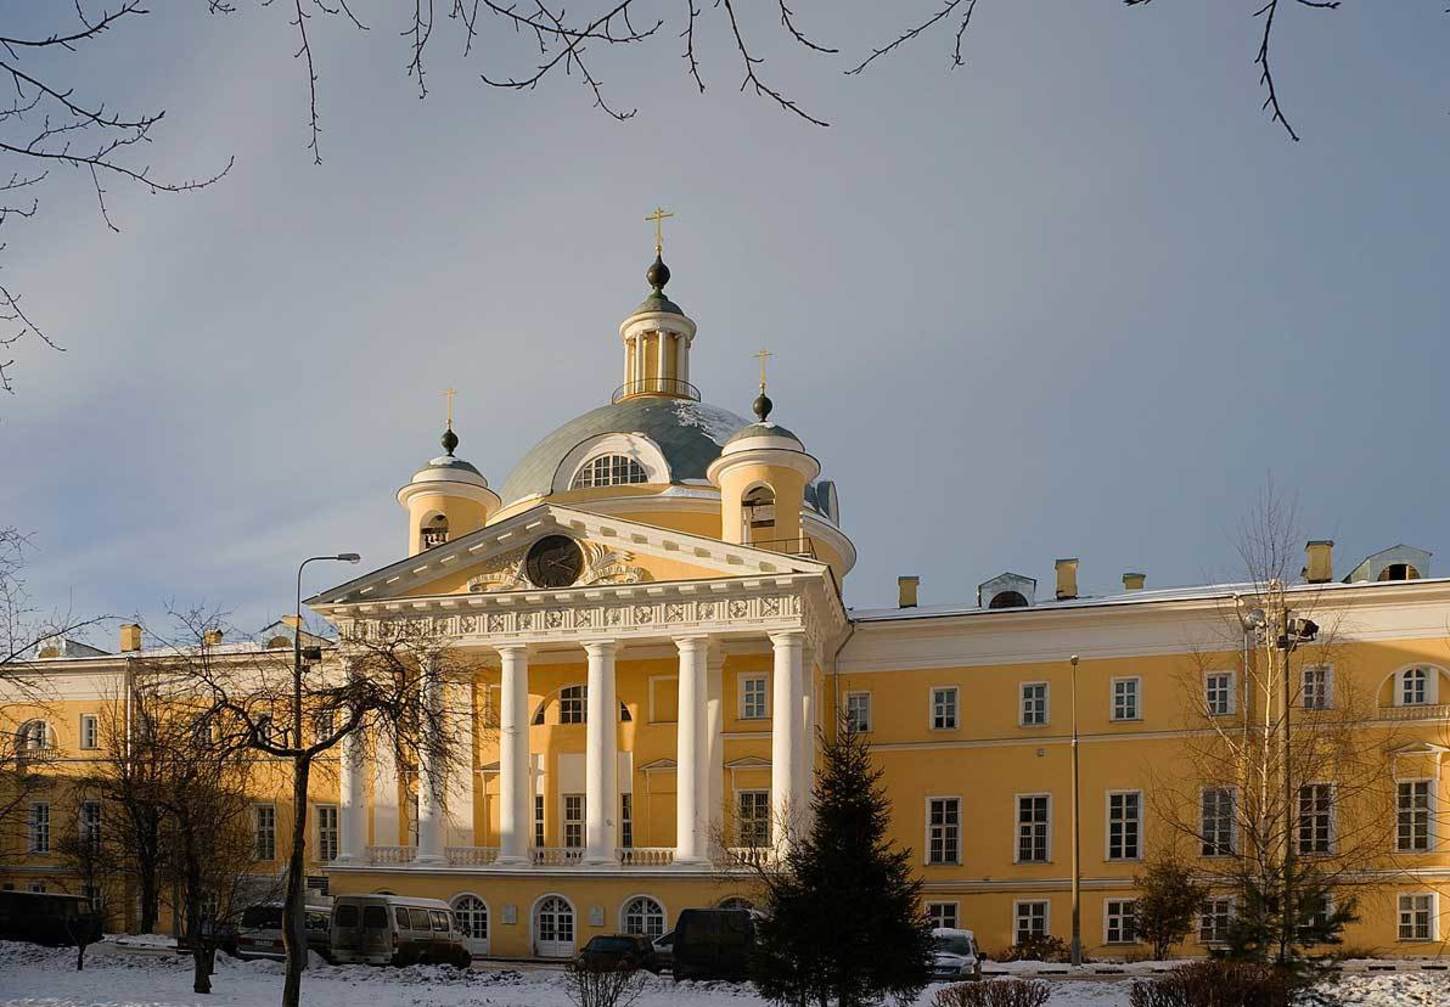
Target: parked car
point(619, 952)
point(259, 934)
point(48, 918)
point(955, 954)
point(713, 944)
point(396, 930)
point(665, 950)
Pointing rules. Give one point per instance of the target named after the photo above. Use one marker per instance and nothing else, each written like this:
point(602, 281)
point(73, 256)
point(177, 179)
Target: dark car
point(665, 950)
point(619, 952)
point(48, 918)
point(713, 944)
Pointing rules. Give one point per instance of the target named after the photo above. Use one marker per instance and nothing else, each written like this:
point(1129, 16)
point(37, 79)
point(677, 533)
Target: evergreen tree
point(843, 916)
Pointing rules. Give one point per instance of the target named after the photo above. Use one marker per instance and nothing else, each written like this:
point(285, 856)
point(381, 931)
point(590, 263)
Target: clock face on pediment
point(554, 561)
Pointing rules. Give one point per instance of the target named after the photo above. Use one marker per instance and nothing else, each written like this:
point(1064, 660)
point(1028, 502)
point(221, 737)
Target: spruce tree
point(843, 920)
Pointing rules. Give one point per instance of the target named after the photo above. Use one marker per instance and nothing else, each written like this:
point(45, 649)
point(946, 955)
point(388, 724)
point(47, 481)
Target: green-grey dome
point(762, 430)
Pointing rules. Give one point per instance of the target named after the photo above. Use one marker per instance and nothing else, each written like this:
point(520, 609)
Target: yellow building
point(652, 603)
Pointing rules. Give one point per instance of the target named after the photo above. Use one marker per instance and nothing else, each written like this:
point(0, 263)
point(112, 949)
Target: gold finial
point(763, 356)
point(658, 218)
point(448, 394)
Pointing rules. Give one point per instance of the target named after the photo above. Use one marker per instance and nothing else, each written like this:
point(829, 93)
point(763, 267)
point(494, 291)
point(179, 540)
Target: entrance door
point(554, 929)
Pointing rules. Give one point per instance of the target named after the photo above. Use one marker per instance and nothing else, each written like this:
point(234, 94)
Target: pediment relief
point(603, 564)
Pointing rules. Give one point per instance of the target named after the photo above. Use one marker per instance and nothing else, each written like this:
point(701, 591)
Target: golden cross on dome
point(658, 218)
point(448, 394)
point(763, 356)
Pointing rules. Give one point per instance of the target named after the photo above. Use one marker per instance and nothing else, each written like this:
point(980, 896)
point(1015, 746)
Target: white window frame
point(38, 828)
point(565, 821)
point(940, 919)
point(859, 694)
point(954, 856)
point(1108, 915)
point(1233, 825)
point(1018, 905)
point(582, 699)
point(1331, 814)
point(89, 732)
point(1136, 692)
point(539, 822)
point(322, 831)
point(1017, 824)
point(1432, 685)
point(1209, 935)
point(626, 819)
point(1231, 692)
point(1429, 812)
point(956, 708)
point(1326, 700)
point(1108, 826)
point(1022, 720)
point(90, 829)
point(761, 833)
point(1432, 910)
point(257, 830)
point(750, 677)
point(625, 914)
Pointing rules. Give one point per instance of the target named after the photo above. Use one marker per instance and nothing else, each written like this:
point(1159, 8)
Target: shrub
point(598, 987)
point(1215, 984)
point(1046, 948)
point(994, 993)
point(1169, 900)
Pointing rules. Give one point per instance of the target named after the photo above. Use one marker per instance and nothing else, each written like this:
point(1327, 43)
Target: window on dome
point(758, 514)
point(609, 470)
point(435, 532)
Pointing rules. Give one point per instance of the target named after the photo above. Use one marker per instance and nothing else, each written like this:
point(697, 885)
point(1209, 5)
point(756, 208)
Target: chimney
point(212, 638)
point(1319, 556)
point(130, 638)
point(1134, 581)
point(1066, 579)
point(291, 621)
point(906, 591)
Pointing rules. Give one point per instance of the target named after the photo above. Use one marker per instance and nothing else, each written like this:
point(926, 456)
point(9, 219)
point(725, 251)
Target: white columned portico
point(786, 744)
point(432, 776)
point(715, 748)
point(514, 812)
point(691, 785)
point(352, 830)
point(601, 755)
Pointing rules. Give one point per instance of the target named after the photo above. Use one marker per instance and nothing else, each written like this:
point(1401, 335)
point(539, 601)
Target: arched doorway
point(472, 915)
point(554, 927)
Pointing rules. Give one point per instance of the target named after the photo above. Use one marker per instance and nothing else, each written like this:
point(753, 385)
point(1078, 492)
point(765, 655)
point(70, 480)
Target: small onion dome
point(763, 435)
point(765, 443)
point(657, 275)
point(450, 476)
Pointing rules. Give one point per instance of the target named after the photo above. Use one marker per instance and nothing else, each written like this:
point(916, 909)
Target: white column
point(601, 755)
point(664, 338)
point(352, 825)
point(385, 792)
point(432, 778)
point(515, 811)
point(715, 745)
point(806, 764)
point(785, 734)
point(462, 775)
point(692, 787)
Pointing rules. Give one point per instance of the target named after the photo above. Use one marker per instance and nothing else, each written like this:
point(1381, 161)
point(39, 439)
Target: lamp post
point(1076, 832)
point(298, 917)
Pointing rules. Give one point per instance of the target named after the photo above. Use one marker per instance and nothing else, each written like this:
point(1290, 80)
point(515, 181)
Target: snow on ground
point(121, 976)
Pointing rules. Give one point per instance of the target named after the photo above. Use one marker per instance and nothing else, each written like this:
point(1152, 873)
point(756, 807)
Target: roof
point(657, 301)
point(763, 429)
point(450, 463)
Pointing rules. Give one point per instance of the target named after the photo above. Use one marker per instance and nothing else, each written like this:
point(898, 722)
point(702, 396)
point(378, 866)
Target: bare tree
point(89, 860)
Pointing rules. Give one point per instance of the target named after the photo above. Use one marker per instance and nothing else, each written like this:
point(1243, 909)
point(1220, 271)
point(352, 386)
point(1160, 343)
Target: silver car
point(955, 954)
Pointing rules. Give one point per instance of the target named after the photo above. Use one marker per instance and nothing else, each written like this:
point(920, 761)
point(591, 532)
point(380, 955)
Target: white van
point(396, 930)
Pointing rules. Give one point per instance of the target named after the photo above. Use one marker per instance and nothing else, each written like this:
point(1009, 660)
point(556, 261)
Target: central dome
point(689, 434)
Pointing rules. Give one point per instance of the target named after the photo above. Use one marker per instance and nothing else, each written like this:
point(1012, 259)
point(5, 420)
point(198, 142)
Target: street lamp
point(1076, 832)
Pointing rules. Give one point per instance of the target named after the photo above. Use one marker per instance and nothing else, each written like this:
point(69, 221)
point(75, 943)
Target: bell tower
point(657, 336)
point(447, 498)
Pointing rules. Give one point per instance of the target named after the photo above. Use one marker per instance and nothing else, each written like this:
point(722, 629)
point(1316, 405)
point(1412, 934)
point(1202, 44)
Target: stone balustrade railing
point(391, 854)
point(1419, 711)
point(471, 856)
point(557, 856)
point(646, 856)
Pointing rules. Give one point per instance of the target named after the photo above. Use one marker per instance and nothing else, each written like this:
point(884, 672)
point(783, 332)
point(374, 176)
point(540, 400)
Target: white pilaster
point(806, 758)
point(352, 823)
point(432, 777)
point(785, 734)
point(515, 814)
point(692, 787)
point(601, 761)
point(715, 746)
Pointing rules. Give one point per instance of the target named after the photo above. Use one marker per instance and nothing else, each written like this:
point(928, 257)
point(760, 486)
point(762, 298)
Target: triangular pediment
point(495, 559)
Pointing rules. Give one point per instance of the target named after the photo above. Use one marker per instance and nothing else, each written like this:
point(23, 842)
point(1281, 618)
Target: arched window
point(643, 915)
point(1008, 599)
point(572, 707)
point(435, 532)
point(758, 514)
point(472, 915)
point(1417, 687)
point(609, 470)
point(33, 736)
point(554, 928)
point(1400, 571)
point(737, 902)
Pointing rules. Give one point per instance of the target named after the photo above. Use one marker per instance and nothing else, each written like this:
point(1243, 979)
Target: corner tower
point(762, 474)
point(446, 498)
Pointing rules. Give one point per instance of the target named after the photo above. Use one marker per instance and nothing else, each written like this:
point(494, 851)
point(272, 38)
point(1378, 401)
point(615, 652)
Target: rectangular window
point(944, 830)
point(90, 824)
point(1414, 687)
point(1034, 704)
point(326, 832)
point(1218, 693)
point(539, 820)
point(944, 709)
point(1417, 917)
point(1125, 825)
point(38, 887)
point(858, 712)
point(1214, 921)
point(571, 705)
point(1412, 828)
point(40, 827)
point(1125, 698)
point(1029, 921)
point(1218, 822)
point(573, 821)
point(1318, 908)
point(752, 821)
point(1315, 692)
point(1316, 818)
point(1032, 829)
point(264, 832)
point(753, 698)
point(90, 731)
point(1122, 924)
point(626, 820)
point(942, 914)
point(93, 896)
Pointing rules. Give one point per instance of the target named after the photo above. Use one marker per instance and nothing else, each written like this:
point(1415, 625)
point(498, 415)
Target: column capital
point(601, 648)
point(511, 649)
point(788, 638)
point(691, 644)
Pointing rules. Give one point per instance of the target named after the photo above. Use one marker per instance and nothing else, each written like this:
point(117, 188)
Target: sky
point(1078, 297)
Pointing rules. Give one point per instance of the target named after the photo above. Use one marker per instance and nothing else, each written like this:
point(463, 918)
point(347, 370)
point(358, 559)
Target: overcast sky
point(1076, 298)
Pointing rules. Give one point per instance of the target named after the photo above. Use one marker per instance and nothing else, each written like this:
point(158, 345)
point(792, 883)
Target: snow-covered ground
point(121, 976)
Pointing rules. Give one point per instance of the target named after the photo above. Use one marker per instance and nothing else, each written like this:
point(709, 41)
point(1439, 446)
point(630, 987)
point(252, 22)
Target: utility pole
point(1076, 831)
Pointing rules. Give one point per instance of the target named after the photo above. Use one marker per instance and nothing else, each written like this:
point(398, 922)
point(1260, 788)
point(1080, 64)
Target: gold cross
point(763, 356)
point(448, 394)
point(659, 217)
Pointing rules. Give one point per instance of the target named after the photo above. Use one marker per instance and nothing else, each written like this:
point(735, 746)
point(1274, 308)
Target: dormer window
point(1008, 599)
point(1400, 571)
point(758, 513)
point(609, 470)
point(435, 532)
